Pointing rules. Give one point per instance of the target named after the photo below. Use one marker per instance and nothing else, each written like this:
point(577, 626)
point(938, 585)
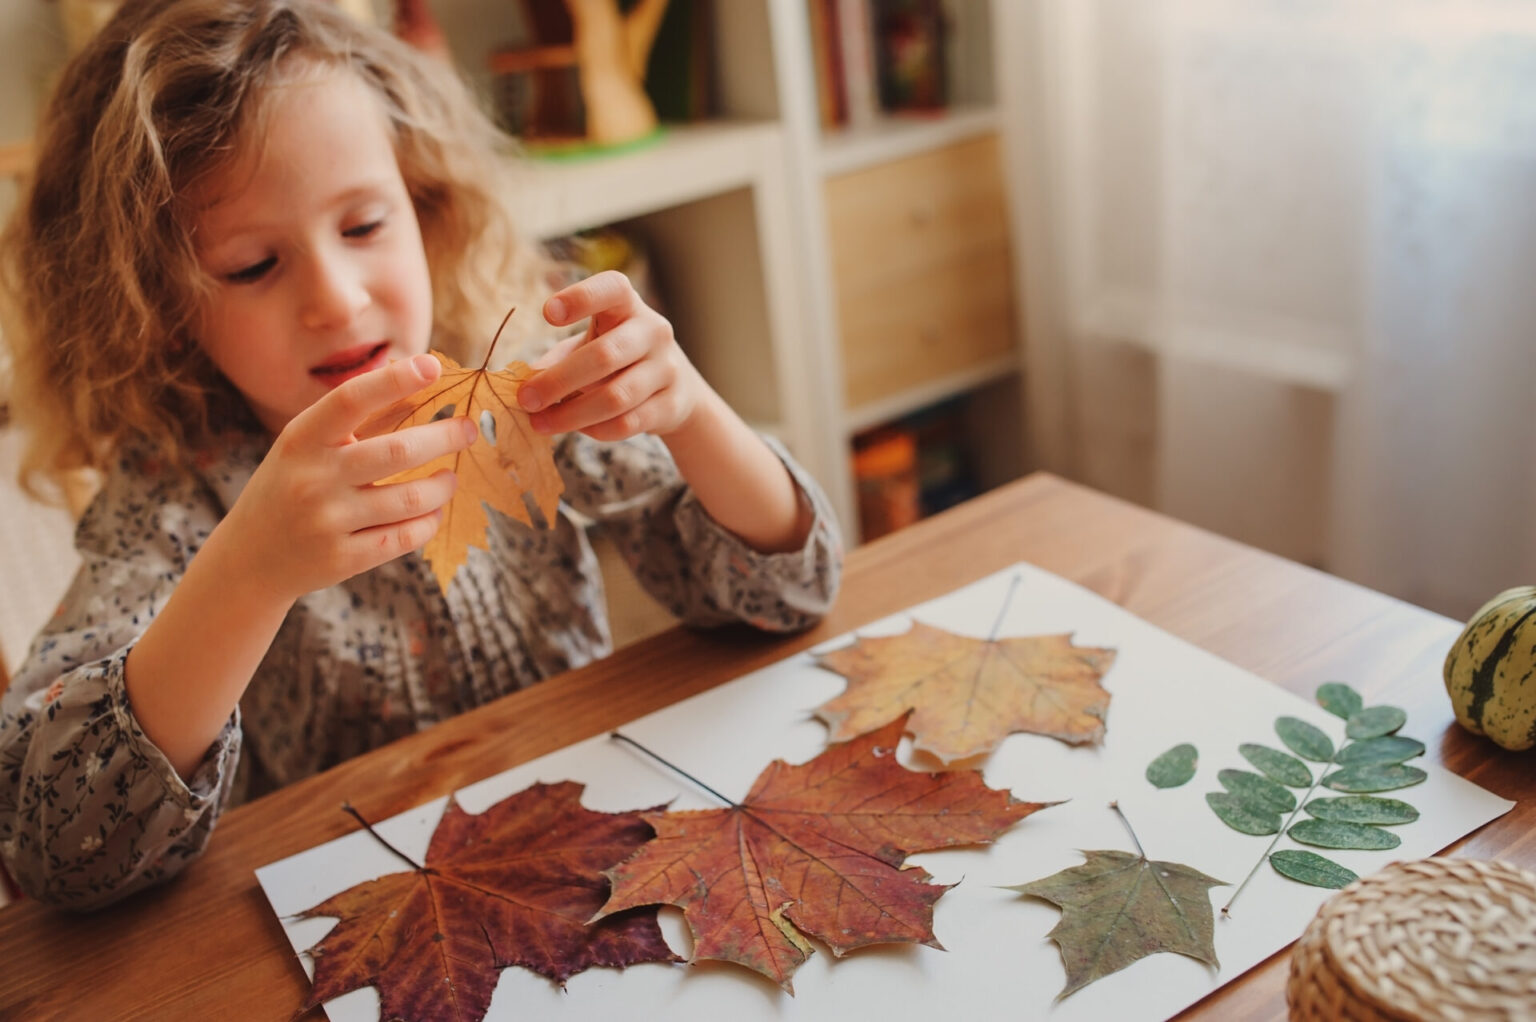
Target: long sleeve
point(90, 809)
point(694, 567)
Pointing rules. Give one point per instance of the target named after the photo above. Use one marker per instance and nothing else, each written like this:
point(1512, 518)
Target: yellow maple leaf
point(508, 460)
point(967, 694)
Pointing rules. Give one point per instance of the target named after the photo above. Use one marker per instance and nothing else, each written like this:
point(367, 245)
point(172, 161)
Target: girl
point(250, 220)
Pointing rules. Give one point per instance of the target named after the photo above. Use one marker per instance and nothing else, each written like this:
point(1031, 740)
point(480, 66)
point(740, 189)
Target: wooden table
point(208, 946)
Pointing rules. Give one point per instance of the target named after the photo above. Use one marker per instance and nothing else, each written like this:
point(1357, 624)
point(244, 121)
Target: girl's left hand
point(625, 375)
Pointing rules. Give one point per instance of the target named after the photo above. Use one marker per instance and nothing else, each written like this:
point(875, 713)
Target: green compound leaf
point(1331, 834)
point(1385, 749)
point(1257, 790)
point(1362, 809)
point(1374, 721)
point(1375, 777)
point(1311, 868)
point(1306, 740)
point(1276, 765)
point(1174, 767)
point(1241, 815)
point(1339, 699)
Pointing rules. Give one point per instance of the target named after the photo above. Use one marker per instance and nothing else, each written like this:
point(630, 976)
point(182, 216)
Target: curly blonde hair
point(101, 277)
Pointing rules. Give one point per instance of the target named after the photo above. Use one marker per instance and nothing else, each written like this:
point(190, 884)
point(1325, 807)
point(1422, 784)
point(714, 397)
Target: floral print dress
point(91, 810)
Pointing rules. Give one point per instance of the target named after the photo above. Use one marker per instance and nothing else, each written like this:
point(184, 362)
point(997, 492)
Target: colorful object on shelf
point(885, 472)
point(1490, 671)
point(912, 73)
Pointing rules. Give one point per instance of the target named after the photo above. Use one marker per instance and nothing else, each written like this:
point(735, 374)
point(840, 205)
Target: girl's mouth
point(344, 365)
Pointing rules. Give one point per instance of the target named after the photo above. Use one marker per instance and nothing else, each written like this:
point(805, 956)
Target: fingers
point(655, 416)
point(397, 503)
point(382, 543)
point(588, 363)
point(333, 418)
point(368, 461)
point(627, 396)
point(608, 292)
point(558, 352)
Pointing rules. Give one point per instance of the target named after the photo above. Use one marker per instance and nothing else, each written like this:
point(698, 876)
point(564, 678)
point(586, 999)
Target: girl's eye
point(362, 230)
point(253, 272)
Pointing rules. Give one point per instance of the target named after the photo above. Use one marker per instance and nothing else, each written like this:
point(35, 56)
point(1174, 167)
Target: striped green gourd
point(1490, 671)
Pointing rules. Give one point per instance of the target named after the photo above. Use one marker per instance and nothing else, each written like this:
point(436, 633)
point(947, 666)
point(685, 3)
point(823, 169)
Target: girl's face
point(312, 244)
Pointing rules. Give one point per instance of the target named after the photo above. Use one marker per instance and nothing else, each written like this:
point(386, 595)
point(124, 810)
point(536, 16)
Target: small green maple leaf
point(1118, 907)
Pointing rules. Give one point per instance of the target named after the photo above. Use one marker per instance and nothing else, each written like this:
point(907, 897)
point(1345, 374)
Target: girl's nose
point(334, 291)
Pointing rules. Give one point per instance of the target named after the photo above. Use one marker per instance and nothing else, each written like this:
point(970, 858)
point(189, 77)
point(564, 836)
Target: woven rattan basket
point(1434, 939)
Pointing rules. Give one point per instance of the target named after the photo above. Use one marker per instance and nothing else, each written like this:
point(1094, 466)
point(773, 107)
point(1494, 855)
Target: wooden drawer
point(922, 268)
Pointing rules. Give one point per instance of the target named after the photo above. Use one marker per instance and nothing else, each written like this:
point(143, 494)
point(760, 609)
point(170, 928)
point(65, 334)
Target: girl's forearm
point(188, 671)
point(738, 479)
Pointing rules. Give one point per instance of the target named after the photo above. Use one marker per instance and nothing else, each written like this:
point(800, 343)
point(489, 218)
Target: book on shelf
point(910, 64)
point(826, 54)
point(876, 57)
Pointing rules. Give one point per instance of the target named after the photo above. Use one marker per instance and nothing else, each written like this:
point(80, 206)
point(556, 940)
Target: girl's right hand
point(311, 515)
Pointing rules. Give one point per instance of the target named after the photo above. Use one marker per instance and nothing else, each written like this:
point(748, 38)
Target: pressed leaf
point(1258, 790)
point(495, 471)
point(1117, 908)
point(1311, 868)
point(1242, 815)
point(1339, 699)
point(814, 849)
point(1174, 767)
point(1375, 777)
point(1333, 834)
point(1276, 765)
point(1362, 809)
point(966, 695)
point(1374, 721)
point(514, 885)
point(1304, 739)
point(1385, 749)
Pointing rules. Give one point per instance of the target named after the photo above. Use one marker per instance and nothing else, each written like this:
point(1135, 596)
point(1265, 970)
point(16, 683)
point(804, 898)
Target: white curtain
point(1281, 269)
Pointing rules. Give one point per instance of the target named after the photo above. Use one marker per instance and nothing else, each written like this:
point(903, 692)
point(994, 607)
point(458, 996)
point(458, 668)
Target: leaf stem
point(369, 828)
point(1115, 805)
point(1012, 587)
point(673, 767)
point(496, 337)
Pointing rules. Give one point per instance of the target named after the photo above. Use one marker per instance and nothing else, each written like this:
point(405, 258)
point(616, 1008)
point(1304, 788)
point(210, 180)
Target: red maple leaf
point(813, 849)
point(514, 885)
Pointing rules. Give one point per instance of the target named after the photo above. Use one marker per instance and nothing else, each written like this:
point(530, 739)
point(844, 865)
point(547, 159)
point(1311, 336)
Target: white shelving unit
point(736, 213)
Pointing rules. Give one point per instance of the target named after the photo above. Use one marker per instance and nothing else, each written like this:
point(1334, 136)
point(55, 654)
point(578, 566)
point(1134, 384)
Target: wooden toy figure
point(608, 47)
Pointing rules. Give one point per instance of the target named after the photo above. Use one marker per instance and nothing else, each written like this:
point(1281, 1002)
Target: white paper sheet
point(998, 963)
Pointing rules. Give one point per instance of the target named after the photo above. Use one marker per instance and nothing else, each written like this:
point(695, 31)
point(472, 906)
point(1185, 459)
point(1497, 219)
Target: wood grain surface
point(208, 946)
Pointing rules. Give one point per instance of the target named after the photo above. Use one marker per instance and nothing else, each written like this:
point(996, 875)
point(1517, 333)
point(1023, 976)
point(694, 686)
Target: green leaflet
point(1385, 749)
point(1374, 777)
point(1257, 790)
point(1174, 767)
point(1339, 699)
point(1362, 809)
point(1311, 868)
point(1332, 834)
point(1276, 765)
point(1241, 815)
point(1373, 721)
point(1306, 740)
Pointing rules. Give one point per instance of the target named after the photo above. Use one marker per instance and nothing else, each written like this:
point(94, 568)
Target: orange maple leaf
point(814, 849)
point(967, 694)
point(509, 458)
point(513, 885)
